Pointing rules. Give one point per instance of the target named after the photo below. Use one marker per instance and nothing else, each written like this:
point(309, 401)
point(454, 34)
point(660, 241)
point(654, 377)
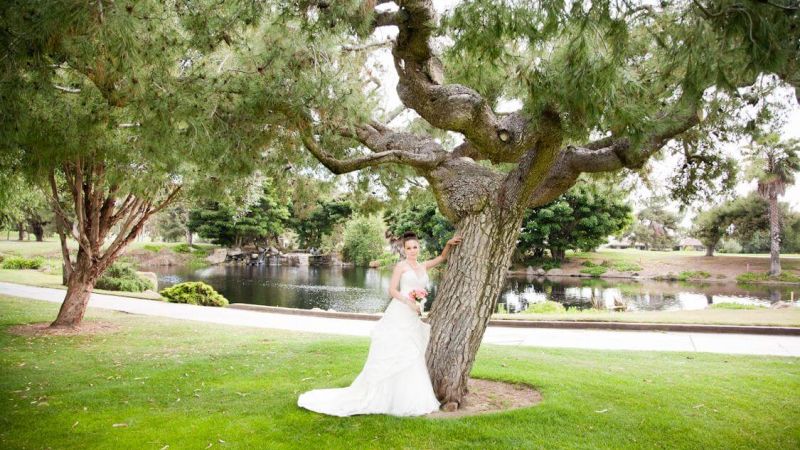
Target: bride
point(395, 378)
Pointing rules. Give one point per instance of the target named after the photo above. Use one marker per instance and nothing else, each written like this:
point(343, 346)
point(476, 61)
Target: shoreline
point(663, 278)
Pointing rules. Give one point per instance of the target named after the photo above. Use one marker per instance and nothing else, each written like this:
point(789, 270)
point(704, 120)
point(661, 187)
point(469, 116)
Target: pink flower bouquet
point(420, 296)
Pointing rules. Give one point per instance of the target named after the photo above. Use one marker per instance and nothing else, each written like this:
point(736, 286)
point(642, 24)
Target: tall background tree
point(258, 223)
point(112, 99)
point(655, 226)
point(579, 219)
point(319, 222)
point(774, 163)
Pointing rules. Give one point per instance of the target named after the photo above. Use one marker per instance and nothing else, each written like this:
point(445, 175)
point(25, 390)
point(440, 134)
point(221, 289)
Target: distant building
point(622, 243)
point(688, 243)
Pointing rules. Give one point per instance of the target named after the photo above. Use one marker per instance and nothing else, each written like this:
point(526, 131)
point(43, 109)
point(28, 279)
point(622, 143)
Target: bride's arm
point(395, 282)
point(443, 256)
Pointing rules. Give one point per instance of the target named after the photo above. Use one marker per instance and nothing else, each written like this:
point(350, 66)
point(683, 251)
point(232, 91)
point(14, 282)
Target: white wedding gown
point(394, 379)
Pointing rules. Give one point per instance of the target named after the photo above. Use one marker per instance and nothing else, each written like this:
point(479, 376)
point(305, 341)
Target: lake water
point(365, 290)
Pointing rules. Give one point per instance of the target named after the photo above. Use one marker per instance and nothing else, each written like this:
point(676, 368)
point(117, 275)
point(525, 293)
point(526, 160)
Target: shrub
point(730, 246)
point(750, 277)
point(594, 271)
point(728, 305)
point(363, 240)
point(19, 263)
point(689, 275)
point(388, 258)
point(122, 277)
point(194, 293)
point(546, 307)
point(183, 247)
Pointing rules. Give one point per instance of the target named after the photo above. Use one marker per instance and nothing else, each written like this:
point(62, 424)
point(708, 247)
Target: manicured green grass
point(194, 385)
point(626, 266)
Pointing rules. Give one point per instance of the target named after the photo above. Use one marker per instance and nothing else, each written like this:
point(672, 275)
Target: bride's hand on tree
point(455, 240)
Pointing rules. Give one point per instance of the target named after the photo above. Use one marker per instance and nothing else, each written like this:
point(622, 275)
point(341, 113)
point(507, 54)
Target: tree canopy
point(580, 219)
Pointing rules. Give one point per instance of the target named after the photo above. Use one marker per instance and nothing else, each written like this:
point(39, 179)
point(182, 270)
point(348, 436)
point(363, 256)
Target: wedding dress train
point(395, 378)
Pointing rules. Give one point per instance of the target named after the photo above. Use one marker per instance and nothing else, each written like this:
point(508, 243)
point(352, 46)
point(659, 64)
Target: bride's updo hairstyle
point(409, 236)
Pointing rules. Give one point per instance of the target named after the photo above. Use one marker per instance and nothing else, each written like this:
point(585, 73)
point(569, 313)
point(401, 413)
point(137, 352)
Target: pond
point(355, 289)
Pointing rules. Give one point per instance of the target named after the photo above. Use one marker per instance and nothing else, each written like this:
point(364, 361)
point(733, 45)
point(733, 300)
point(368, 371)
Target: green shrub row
point(19, 263)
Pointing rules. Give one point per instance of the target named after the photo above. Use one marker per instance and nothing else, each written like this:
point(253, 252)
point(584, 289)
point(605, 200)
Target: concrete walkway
point(533, 337)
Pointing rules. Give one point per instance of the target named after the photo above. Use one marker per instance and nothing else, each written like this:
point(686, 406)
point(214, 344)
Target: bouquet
point(420, 296)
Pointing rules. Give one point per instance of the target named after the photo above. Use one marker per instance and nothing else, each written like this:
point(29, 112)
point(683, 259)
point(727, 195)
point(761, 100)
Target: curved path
point(499, 335)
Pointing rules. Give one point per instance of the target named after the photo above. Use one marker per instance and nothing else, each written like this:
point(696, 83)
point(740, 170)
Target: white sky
point(383, 69)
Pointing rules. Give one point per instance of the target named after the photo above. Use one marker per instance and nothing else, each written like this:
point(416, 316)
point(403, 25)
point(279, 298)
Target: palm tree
point(775, 162)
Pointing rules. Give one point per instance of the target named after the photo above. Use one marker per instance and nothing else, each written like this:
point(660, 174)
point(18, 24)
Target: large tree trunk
point(775, 236)
point(558, 253)
point(79, 288)
point(709, 250)
point(468, 295)
point(21, 228)
point(37, 228)
point(189, 237)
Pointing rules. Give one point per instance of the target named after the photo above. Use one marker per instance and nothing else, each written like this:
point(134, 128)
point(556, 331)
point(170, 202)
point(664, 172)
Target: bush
point(594, 271)
point(153, 247)
point(543, 263)
point(750, 277)
point(388, 259)
point(363, 240)
point(122, 277)
point(194, 293)
point(183, 247)
point(730, 246)
point(546, 307)
point(19, 263)
point(697, 275)
point(728, 305)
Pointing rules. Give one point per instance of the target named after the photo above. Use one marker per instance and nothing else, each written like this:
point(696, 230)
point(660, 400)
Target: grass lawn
point(192, 385)
point(789, 261)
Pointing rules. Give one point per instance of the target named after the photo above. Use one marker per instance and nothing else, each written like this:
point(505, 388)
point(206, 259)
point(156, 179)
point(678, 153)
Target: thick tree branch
point(610, 153)
point(340, 166)
point(450, 106)
point(143, 212)
point(385, 19)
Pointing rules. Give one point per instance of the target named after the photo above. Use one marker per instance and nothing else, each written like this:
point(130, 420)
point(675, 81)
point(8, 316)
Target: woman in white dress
point(395, 378)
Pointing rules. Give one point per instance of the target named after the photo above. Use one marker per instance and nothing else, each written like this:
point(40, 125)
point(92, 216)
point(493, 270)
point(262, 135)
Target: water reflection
point(365, 290)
